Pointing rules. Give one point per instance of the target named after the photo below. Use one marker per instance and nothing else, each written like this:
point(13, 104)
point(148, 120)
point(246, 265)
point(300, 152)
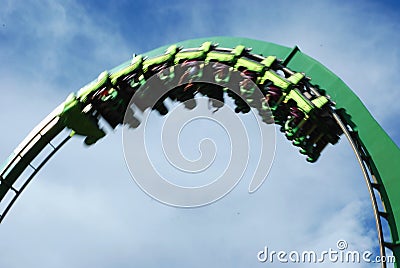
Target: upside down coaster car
point(310, 114)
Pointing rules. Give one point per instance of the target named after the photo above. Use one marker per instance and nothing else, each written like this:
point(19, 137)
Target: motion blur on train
point(264, 84)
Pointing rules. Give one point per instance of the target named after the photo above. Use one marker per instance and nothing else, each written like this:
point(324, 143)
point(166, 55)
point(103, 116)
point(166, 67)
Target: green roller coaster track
point(376, 153)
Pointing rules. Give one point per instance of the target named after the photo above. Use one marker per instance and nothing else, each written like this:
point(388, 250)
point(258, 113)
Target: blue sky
point(83, 209)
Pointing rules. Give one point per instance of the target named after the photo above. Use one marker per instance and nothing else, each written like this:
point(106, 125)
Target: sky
point(83, 209)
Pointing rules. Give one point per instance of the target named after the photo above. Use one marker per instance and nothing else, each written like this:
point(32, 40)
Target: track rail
point(21, 159)
point(369, 182)
point(44, 134)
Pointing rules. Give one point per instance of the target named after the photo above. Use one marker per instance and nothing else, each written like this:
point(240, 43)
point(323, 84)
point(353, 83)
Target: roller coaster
point(311, 113)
